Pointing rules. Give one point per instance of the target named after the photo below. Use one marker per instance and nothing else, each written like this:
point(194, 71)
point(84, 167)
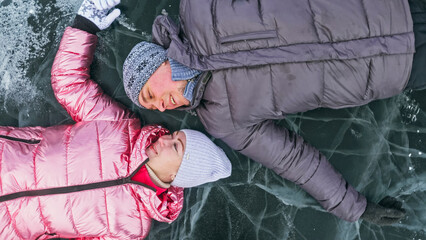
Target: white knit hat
point(202, 161)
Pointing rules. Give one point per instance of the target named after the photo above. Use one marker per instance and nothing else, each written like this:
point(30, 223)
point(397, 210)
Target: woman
point(104, 177)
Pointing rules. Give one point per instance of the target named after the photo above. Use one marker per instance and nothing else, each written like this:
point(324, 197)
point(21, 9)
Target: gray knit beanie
point(202, 161)
point(138, 67)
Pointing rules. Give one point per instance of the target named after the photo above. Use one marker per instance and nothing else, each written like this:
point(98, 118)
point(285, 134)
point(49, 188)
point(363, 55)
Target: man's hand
point(97, 12)
point(387, 212)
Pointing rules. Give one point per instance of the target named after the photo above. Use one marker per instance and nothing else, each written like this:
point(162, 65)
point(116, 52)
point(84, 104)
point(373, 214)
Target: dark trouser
point(418, 73)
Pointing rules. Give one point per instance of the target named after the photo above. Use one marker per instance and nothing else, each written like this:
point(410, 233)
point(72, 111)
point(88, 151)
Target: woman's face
point(165, 155)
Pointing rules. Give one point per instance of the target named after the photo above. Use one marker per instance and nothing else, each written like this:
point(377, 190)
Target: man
point(243, 64)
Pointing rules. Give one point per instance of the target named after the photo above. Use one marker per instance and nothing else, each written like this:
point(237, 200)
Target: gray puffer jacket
point(267, 58)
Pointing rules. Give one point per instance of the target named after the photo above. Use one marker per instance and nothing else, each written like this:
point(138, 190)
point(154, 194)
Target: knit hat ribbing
point(138, 67)
point(202, 161)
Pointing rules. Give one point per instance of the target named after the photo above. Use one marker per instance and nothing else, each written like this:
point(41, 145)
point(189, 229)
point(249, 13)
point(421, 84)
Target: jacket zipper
point(76, 188)
point(28, 141)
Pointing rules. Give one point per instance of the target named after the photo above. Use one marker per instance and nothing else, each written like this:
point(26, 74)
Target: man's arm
point(293, 159)
point(83, 99)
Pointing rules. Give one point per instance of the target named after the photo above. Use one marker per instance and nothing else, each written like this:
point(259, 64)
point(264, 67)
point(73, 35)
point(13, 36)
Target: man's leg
point(418, 73)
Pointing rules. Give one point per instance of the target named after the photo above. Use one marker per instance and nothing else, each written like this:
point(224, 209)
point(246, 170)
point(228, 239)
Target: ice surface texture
point(379, 148)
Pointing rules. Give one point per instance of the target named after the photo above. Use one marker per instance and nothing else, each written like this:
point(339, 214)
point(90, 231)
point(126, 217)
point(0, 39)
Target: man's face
point(160, 92)
point(166, 154)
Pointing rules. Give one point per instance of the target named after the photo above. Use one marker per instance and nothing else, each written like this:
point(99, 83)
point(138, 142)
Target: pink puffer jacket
point(59, 181)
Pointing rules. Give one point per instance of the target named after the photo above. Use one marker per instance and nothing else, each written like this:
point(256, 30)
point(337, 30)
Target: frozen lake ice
point(379, 148)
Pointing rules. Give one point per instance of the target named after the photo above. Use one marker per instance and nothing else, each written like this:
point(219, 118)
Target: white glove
point(97, 12)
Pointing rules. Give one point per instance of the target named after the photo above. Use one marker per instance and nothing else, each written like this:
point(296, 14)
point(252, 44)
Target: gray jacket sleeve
point(293, 159)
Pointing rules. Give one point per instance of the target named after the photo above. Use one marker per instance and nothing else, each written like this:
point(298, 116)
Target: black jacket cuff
point(85, 24)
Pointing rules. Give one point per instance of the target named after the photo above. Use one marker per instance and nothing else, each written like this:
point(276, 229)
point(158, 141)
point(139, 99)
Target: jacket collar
point(165, 32)
point(199, 88)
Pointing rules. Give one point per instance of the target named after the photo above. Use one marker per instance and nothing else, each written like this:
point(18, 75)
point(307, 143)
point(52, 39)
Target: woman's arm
point(83, 99)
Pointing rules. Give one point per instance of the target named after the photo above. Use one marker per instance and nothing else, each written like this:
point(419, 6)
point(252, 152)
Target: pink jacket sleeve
point(83, 99)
